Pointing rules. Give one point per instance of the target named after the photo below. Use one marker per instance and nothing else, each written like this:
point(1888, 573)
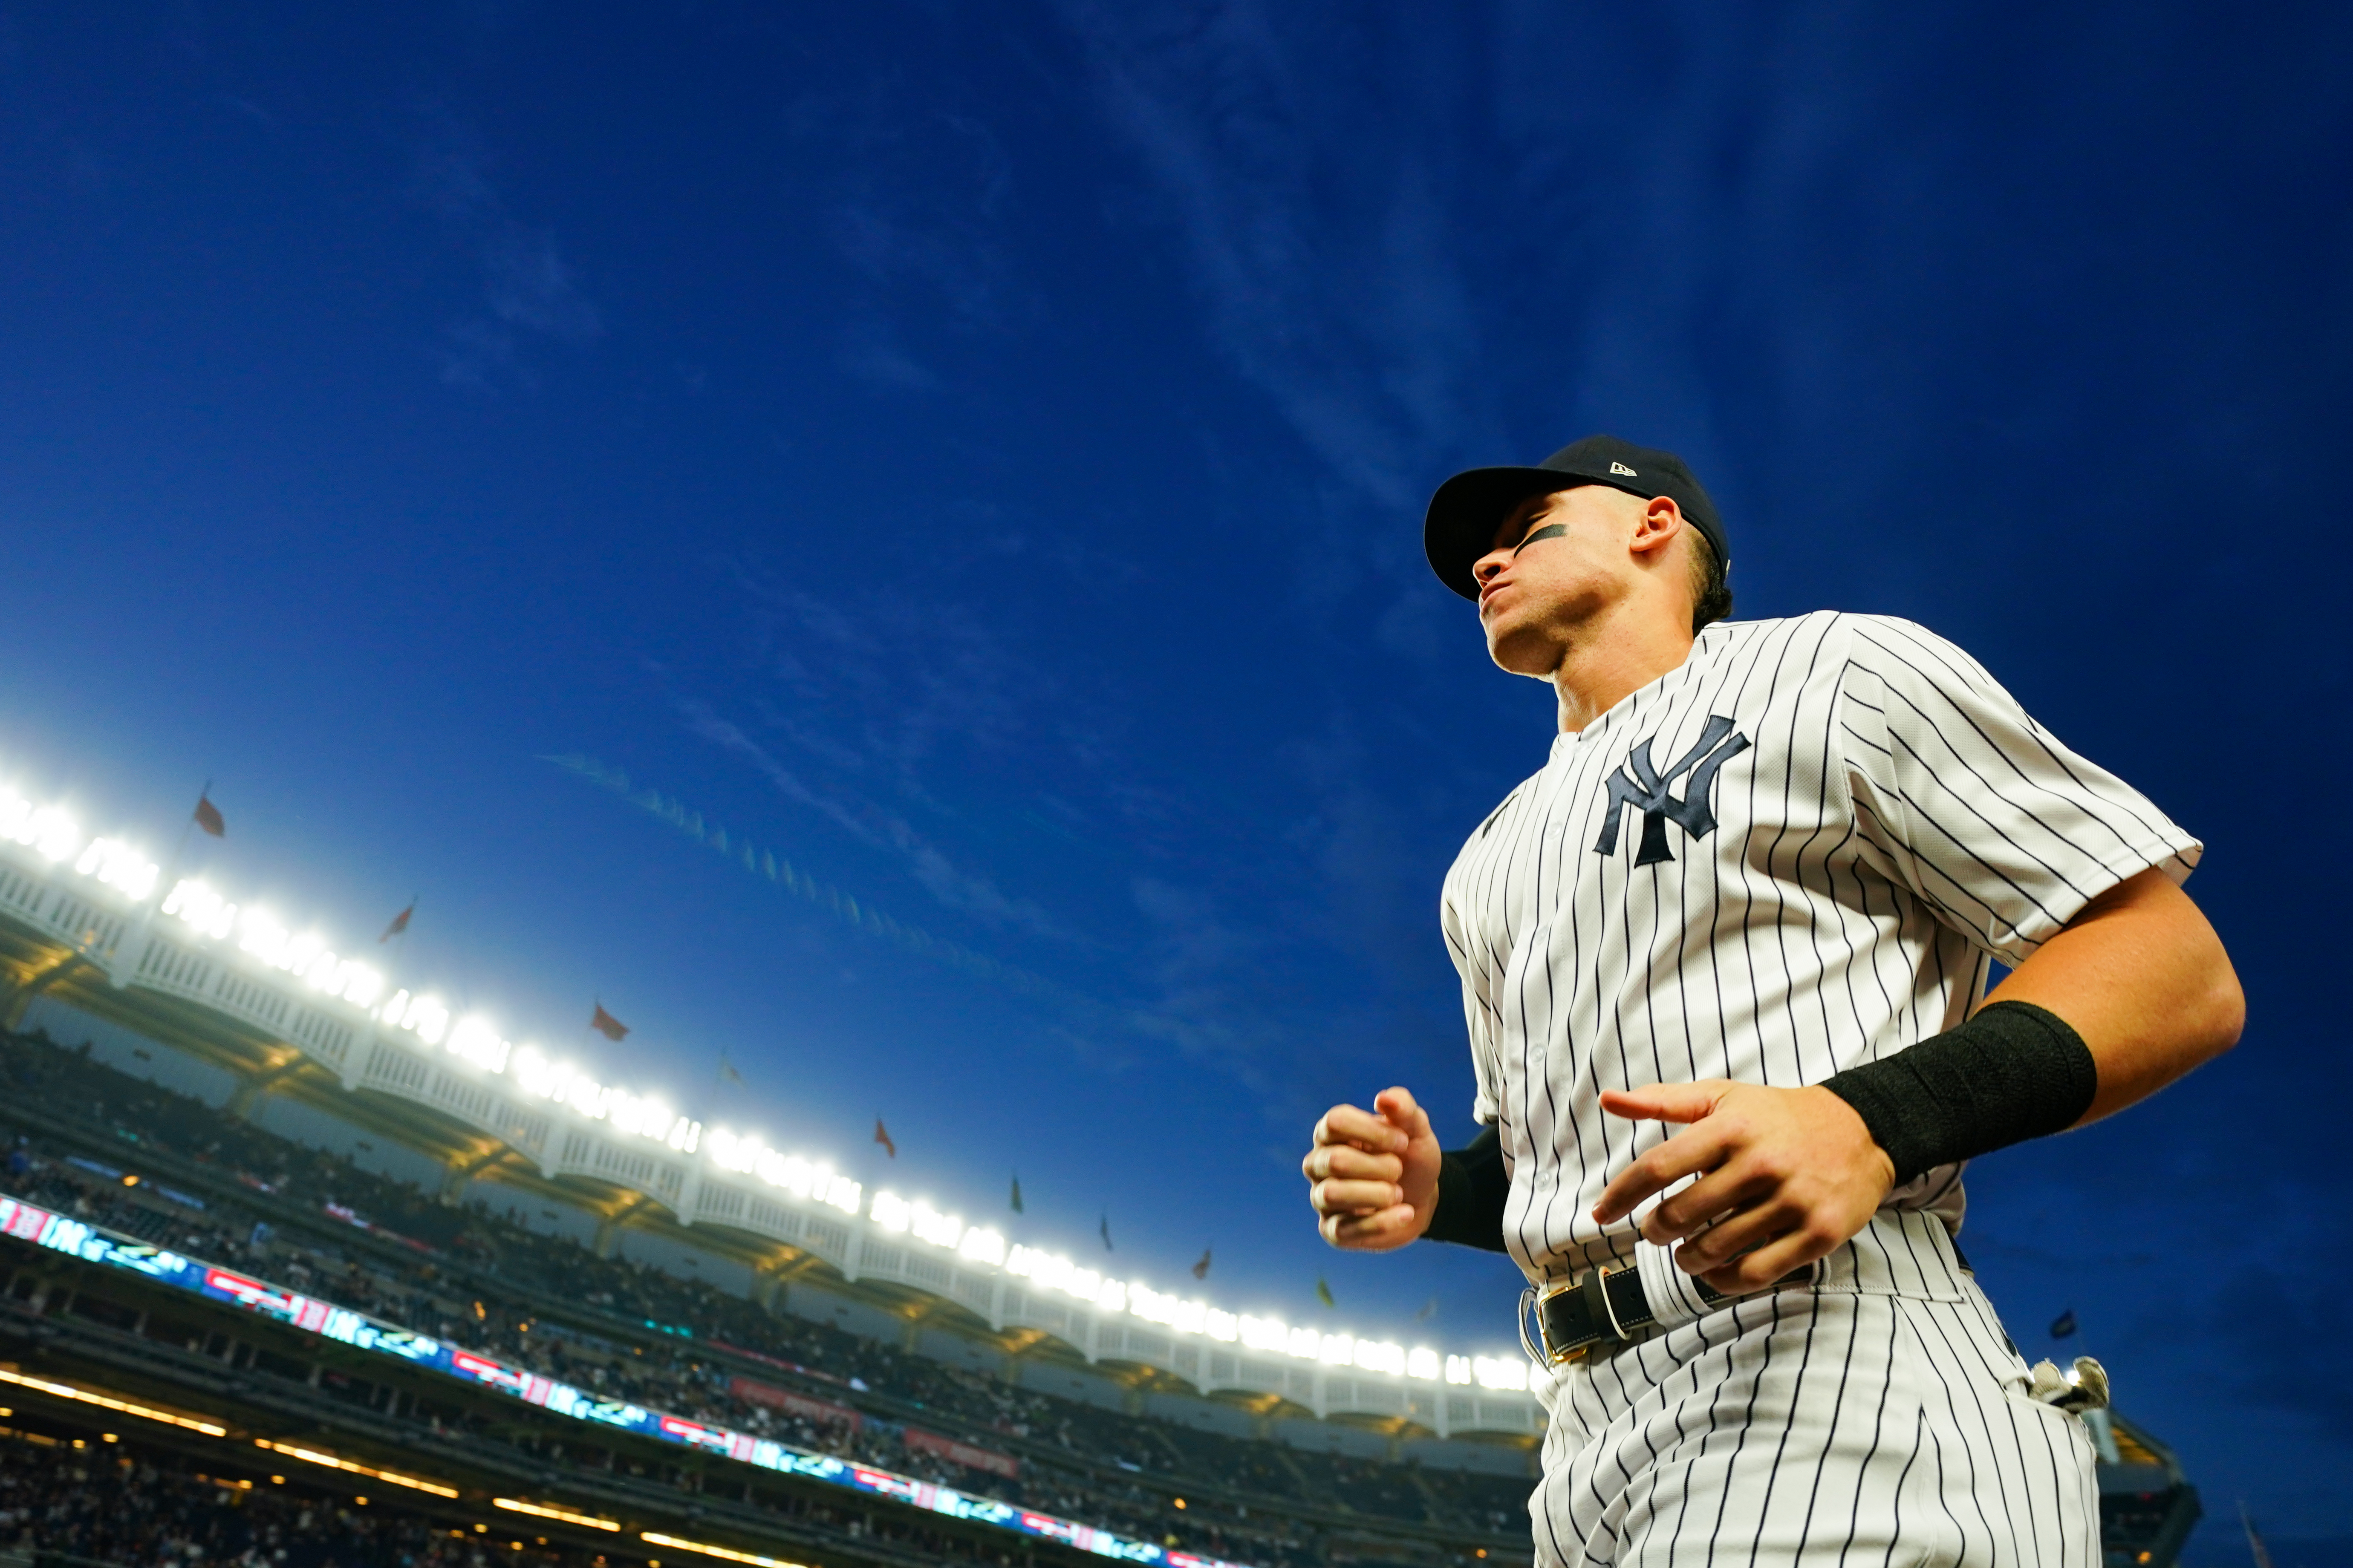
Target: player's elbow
point(2222, 1010)
point(2208, 1006)
point(2204, 1009)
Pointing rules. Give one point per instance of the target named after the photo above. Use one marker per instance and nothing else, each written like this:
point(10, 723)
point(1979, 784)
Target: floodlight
point(1265, 1333)
point(1509, 1374)
point(260, 934)
point(52, 833)
point(931, 1225)
point(359, 983)
point(476, 1039)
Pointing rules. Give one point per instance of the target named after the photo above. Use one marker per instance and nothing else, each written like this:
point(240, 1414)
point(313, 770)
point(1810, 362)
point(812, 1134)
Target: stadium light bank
point(120, 867)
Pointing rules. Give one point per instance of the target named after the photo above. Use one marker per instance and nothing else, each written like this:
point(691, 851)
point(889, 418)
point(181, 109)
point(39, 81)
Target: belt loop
point(1600, 1288)
point(1594, 1289)
point(1527, 1301)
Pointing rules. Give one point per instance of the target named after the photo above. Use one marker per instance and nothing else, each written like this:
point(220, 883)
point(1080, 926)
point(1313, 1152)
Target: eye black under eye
point(1550, 530)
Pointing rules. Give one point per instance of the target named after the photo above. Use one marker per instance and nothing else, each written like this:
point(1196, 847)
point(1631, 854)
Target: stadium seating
point(122, 1154)
point(67, 1496)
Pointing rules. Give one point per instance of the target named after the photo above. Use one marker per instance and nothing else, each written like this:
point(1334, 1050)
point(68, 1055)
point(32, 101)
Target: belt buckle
point(1545, 1357)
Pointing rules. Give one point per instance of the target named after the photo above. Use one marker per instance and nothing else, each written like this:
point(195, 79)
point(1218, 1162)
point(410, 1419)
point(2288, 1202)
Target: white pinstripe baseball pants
point(1878, 1417)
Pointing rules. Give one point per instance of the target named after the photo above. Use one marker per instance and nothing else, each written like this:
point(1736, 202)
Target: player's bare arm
point(1786, 1174)
point(1373, 1174)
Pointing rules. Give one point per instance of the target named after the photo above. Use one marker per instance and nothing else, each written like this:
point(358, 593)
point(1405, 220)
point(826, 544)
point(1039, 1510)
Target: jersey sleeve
point(1978, 810)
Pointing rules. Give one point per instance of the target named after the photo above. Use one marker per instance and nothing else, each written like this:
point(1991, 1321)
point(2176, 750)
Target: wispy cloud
point(870, 824)
point(1364, 338)
point(1185, 1018)
point(914, 726)
point(916, 198)
point(912, 194)
point(901, 675)
point(763, 859)
point(528, 285)
point(871, 351)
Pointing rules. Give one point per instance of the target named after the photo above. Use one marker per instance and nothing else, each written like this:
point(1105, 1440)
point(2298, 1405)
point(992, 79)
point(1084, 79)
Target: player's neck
point(1617, 654)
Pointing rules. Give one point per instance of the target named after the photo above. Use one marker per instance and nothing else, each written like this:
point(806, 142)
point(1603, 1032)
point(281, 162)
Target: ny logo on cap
point(1646, 791)
point(1617, 468)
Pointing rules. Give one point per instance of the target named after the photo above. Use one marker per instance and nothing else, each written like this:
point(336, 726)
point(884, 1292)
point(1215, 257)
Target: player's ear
point(1661, 520)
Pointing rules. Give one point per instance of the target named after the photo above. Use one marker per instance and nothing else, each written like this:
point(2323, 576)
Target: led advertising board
point(93, 1244)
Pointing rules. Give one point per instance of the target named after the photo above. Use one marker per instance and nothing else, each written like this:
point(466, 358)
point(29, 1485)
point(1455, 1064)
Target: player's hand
point(1785, 1175)
point(1373, 1174)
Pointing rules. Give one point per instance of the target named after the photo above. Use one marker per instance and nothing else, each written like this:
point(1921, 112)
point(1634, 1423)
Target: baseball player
point(1724, 961)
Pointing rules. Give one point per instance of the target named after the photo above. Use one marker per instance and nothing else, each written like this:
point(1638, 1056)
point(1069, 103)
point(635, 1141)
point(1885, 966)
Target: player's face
point(1558, 559)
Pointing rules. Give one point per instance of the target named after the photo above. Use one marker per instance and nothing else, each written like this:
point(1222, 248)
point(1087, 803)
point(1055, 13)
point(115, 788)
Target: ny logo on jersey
point(1645, 789)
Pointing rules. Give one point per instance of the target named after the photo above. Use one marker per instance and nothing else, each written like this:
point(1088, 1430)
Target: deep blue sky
point(979, 453)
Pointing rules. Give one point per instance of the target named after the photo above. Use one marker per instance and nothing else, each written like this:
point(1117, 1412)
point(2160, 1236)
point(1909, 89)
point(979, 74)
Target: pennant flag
point(1201, 1269)
point(727, 1073)
point(2255, 1547)
point(2064, 1325)
point(399, 925)
point(1323, 1291)
point(607, 1025)
point(882, 1136)
point(1429, 1311)
point(1106, 1232)
point(208, 817)
point(1017, 1192)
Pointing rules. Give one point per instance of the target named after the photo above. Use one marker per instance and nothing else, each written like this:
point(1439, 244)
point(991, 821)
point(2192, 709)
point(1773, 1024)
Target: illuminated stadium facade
point(87, 921)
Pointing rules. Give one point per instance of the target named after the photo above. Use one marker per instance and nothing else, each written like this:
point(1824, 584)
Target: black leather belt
point(1604, 1310)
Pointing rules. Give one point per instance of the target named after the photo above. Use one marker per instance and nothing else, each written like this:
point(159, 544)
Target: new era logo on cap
point(1617, 468)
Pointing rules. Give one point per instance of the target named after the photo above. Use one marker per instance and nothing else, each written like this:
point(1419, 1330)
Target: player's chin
point(1518, 648)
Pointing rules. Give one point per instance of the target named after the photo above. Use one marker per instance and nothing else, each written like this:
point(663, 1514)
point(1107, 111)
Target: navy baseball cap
point(1464, 514)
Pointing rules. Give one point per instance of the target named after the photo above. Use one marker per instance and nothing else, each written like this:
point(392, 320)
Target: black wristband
point(1472, 1187)
point(2013, 1072)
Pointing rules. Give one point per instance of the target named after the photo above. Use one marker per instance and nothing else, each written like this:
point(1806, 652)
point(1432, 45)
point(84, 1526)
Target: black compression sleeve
point(1472, 1187)
point(2013, 1072)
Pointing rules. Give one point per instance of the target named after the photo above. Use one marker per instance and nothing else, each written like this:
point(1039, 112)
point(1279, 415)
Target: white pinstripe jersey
point(1798, 852)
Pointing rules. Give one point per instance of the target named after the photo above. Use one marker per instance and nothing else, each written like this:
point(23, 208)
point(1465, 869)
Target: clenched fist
point(1373, 1174)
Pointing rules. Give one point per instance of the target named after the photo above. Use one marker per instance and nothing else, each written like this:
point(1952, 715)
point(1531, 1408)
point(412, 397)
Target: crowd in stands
point(475, 1279)
point(123, 1503)
point(117, 1503)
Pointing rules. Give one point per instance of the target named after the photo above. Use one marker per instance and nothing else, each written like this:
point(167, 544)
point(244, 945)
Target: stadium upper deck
point(157, 1251)
point(86, 921)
